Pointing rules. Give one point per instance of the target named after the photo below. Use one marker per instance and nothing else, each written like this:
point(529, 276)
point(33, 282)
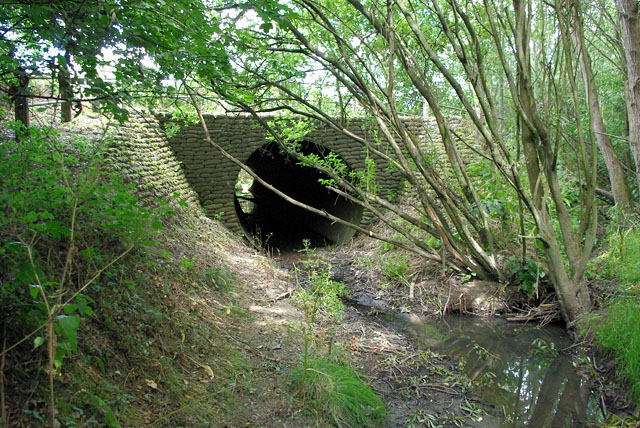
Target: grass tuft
point(338, 393)
point(623, 257)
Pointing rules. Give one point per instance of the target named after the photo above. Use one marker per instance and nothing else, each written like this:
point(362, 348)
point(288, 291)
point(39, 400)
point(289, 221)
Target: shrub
point(65, 221)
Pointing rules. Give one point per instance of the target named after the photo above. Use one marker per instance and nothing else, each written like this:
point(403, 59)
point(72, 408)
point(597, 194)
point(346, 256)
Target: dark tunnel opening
point(276, 223)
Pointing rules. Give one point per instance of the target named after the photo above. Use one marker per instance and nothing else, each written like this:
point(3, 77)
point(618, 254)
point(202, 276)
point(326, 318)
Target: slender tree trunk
point(66, 91)
point(619, 188)
point(629, 16)
point(20, 98)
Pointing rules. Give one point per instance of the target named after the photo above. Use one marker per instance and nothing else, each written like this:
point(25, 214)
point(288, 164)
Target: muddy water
point(522, 372)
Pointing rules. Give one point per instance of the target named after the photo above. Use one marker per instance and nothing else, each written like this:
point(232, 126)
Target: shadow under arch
point(277, 223)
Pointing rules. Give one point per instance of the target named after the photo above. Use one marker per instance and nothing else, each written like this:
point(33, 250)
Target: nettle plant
point(64, 221)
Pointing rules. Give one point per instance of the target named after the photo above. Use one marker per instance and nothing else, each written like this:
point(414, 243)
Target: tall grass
point(619, 332)
point(619, 335)
point(338, 393)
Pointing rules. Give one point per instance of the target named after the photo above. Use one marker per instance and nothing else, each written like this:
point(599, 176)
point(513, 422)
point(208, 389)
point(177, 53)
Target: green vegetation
point(619, 335)
point(317, 294)
point(85, 281)
point(519, 168)
point(504, 189)
point(617, 332)
point(337, 393)
point(59, 197)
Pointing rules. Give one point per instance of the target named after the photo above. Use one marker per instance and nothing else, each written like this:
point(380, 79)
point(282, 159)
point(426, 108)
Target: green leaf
point(70, 308)
point(60, 351)
point(56, 229)
point(109, 416)
point(38, 341)
point(34, 290)
point(30, 217)
point(83, 307)
point(100, 363)
point(69, 327)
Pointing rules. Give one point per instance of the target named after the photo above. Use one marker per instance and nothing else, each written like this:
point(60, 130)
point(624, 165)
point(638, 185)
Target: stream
point(522, 372)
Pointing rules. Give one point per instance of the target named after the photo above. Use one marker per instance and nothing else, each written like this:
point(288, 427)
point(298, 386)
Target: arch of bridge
point(213, 177)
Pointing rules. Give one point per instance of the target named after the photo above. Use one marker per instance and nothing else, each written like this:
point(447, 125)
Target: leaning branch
point(322, 213)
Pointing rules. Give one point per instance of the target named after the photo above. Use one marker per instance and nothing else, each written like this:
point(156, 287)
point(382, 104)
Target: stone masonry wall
point(142, 154)
point(186, 164)
point(213, 177)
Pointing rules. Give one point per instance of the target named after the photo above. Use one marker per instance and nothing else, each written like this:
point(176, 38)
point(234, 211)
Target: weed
point(421, 418)
point(338, 393)
point(623, 257)
point(617, 422)
point(525, 274)
point(321, 295)
point(396, 267)
point(221, 278)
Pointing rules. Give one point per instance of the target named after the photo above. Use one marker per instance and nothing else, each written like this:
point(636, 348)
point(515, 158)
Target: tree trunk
point(540, 162)
point(20, 97)
point(629, 16)
point(619, 187)
point(66, 92)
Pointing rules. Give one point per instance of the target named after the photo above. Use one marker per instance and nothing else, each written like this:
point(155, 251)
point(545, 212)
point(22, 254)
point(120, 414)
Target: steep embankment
point(175, 333)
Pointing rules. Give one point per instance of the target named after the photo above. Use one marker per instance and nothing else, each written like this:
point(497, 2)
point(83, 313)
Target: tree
point(75, 41)
point(619, 188)
point(381, 60)
point(453, 51)
point(41, 38)
point(629, 16)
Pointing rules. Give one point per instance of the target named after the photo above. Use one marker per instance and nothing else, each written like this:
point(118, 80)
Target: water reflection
point(518, 369)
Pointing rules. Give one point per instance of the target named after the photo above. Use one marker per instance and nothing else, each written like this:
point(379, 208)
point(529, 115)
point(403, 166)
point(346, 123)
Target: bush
point(339, 393)
point(65, 222)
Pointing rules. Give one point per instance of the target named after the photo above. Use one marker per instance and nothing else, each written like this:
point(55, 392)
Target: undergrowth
point(617, 333)
point(337, 393)
point(105, 315)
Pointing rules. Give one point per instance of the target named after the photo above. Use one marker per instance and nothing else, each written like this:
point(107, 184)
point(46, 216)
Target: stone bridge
point(226, 193)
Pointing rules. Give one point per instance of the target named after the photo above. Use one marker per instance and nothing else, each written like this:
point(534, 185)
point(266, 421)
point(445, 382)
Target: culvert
point(271, 220)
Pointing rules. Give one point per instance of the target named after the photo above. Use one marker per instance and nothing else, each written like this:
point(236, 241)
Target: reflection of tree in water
point(521, 373)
